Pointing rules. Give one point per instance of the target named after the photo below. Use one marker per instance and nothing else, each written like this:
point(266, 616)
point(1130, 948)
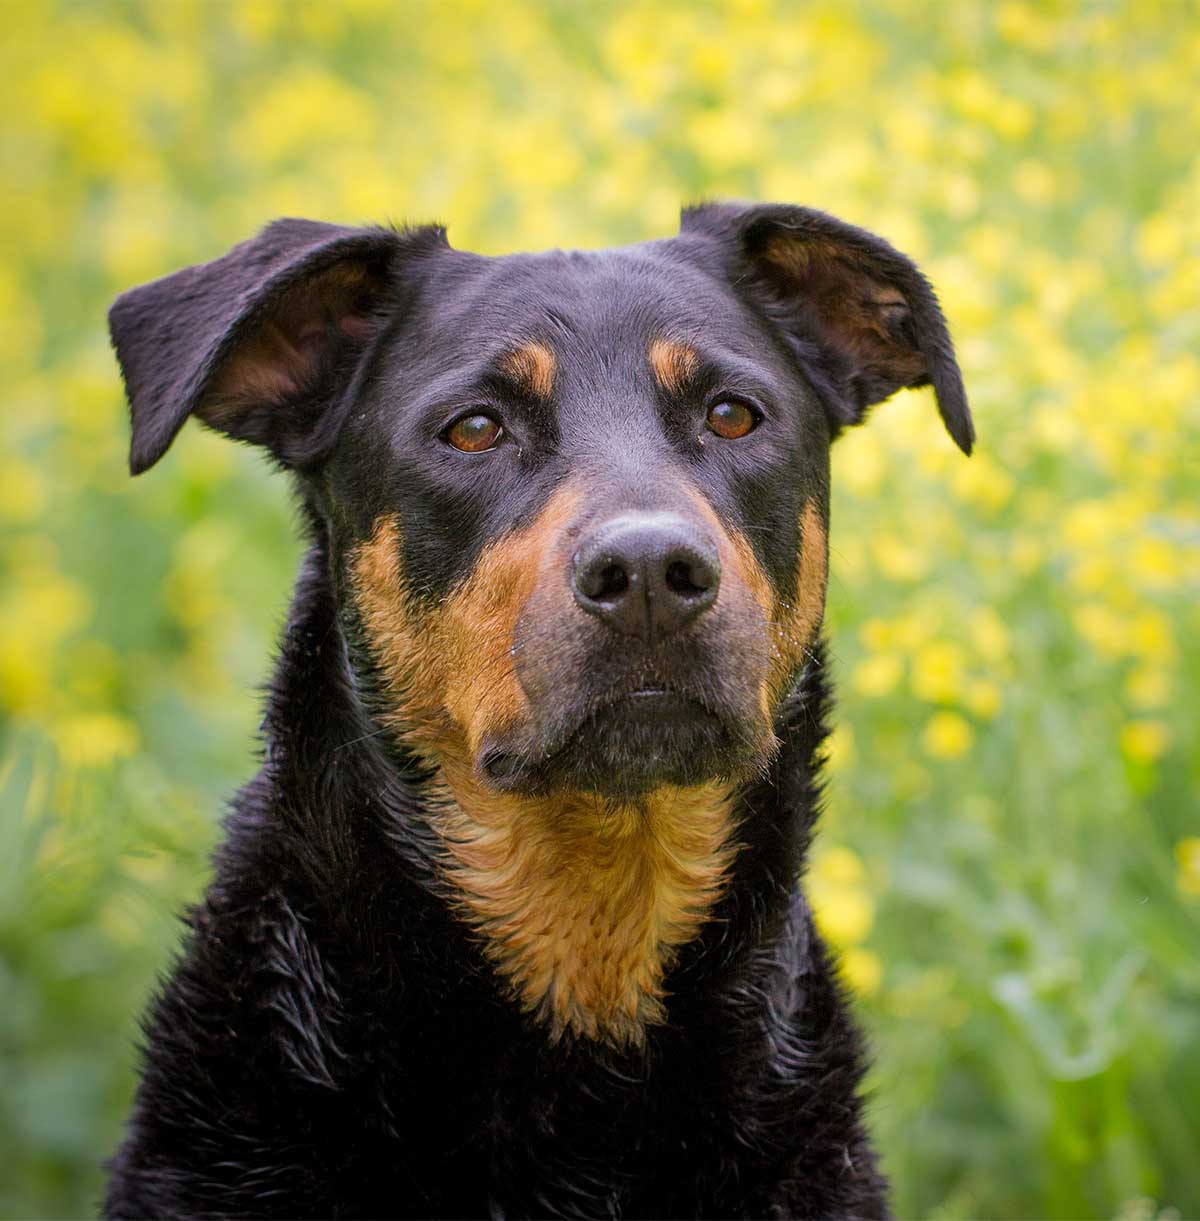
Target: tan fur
point(452, 667)
point(581, 904)
point(674, 363)
point(745, 591)
point(532, 366)
point(798, 618)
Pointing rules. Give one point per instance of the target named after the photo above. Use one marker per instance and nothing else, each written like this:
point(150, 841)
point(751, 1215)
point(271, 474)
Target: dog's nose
point(647, 574)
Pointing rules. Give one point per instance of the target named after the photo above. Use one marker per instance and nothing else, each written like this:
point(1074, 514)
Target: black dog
point(509, 923)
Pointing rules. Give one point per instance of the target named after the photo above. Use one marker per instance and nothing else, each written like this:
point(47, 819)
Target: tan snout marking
point(451, 667)
point(580, 904)
point(793, 621)
point(532, 366)
point(674, 364)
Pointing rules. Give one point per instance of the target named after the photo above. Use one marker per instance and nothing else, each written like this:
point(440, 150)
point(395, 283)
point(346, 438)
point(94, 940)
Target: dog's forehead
point(595, 311)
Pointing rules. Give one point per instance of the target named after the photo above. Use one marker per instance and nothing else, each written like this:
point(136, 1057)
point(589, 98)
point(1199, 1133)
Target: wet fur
point(459, 956)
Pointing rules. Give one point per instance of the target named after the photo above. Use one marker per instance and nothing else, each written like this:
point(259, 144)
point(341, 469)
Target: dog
point(510, 923)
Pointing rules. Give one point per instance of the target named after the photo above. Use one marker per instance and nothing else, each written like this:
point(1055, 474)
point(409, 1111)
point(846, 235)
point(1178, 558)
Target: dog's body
point(509, 922)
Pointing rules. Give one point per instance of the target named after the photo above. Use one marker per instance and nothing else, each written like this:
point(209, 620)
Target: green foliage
point(1011, 861)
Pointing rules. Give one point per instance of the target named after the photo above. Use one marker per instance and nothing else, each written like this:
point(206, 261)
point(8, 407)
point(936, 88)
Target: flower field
point(1010, 861)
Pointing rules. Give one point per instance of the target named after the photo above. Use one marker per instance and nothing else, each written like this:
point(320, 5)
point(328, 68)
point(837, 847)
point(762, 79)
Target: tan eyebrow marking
point(532, 365)
point(674, 363)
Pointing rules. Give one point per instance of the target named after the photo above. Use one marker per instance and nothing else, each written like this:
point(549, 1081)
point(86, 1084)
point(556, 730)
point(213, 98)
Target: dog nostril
point(614, 580)
point(604, 581)
point(687, 579)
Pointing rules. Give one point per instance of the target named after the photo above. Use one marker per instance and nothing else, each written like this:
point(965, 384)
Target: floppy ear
point(256, 343)
point(859, 316)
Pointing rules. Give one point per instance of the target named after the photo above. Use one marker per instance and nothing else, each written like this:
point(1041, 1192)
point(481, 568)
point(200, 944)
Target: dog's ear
point(859, 316)
point(257, 342)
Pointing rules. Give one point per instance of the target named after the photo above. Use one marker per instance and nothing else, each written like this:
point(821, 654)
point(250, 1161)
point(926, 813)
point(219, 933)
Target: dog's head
point(579, 501)
point(576, 510)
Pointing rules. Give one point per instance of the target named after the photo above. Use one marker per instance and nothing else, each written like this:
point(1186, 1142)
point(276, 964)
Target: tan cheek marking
point(452, 667)
point(583, 905)
point(403, 641)
point(800, 618)
point(746, 586)
point(534, 367)
point(674, 364)
point(480, 619)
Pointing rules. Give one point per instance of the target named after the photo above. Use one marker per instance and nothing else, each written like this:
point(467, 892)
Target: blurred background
point(1010, 863)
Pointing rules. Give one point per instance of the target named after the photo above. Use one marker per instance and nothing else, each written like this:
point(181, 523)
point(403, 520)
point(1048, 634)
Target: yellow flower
point(838, 866)
point(860, 463)
point(947, 736)
point(1102, 628)
point(1187, 854)
point(22, 491)
point(862, 970)
point(1148, 687)
point(839, 747)
point(900, 559)
point(94, 739)
point(937, 671)
point(1145, 741)
point(982, 697)
point(844, 913)
point(1153, 639)
point(877, 675)
point(989, 634)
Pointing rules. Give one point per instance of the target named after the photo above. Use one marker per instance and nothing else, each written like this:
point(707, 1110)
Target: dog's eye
point(731, 419)
point(474, 433)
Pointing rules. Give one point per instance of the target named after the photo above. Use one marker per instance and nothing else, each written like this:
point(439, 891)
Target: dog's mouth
point(625, 743)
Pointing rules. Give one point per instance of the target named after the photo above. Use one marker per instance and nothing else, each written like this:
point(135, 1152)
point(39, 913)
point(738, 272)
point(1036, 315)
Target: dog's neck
point(591, 914)
point(583, 904)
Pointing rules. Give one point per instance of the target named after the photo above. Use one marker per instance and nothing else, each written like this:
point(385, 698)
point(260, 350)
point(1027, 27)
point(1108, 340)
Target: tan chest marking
point(582, 906)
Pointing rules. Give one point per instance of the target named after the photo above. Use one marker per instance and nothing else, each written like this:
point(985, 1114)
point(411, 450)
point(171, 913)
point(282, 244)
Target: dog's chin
point(629, 748)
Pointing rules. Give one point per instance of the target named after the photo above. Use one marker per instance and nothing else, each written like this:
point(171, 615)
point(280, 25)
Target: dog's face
point(577, 502)
point(574, 510)
point(595, 515)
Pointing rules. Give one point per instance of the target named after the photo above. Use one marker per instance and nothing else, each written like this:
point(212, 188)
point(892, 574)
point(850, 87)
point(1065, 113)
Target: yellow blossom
point(947, 736)
point(862, 970)
point(844, 913)
point(94, 739)
point(878, 674)
point(1187, 854)
point(938, 671)
point(1145, 741)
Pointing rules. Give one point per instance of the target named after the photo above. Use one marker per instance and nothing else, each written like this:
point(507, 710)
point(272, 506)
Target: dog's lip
point(646, 698)
point(502, 764)
point(646, 701)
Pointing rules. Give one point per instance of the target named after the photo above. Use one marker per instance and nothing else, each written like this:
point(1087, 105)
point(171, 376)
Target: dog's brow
point(532, 367)
point(674, 362)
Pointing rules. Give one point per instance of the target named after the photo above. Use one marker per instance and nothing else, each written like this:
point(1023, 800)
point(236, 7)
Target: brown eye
point(731, 420)
point(474, 433)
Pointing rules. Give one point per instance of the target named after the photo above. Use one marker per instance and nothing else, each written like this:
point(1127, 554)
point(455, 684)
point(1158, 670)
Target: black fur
point(332, 1041)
